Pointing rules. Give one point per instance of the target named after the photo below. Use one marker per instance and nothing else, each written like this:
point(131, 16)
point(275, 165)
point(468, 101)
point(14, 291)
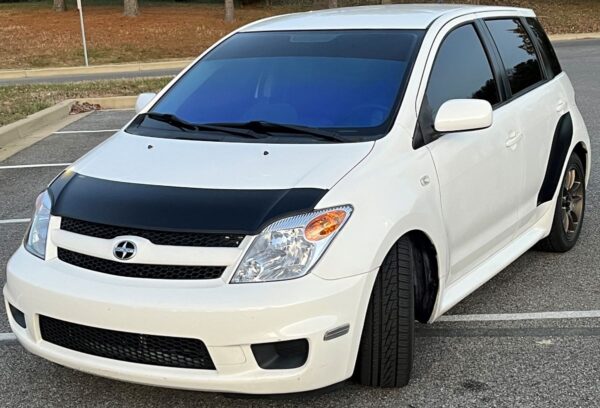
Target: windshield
point(348, 82)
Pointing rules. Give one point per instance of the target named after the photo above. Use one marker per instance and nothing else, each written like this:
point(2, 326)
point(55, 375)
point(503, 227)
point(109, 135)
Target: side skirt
point(485, 271)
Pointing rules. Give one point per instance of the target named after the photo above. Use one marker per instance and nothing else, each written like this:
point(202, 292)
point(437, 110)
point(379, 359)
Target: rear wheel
point(569, 211)
point(385, 355)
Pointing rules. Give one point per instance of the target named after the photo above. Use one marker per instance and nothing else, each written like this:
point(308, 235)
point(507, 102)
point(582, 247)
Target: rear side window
point(544, 44)
point(517, 52)
point(461, 71)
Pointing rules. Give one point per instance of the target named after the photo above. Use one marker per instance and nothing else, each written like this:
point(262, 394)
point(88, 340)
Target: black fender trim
point(426, 278)
point(167, 208)
point(563, 135)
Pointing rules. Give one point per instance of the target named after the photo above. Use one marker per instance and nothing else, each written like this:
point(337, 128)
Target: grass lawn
point(32, 35)
point(16, 102)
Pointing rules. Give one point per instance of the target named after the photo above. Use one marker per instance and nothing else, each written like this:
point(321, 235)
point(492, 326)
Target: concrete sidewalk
point(138, 69)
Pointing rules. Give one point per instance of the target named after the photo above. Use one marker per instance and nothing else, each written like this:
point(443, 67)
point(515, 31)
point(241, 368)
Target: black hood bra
point(167, 208)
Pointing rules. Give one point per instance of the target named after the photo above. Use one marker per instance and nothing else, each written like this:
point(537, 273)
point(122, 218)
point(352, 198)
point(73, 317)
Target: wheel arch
point(582, 151)
point(427, 282)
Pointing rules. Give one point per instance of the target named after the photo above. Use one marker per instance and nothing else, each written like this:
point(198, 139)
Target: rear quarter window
point(517, 52)
point(545, 45)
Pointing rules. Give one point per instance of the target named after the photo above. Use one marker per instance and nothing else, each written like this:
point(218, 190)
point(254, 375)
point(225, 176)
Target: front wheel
point(385, 355)
point(569, 211)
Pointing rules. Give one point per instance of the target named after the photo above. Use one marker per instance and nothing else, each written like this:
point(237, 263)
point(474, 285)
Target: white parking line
point(15, 221)
point(7, 337)
point(583, 314)
point(29, 166)
point(68, 132)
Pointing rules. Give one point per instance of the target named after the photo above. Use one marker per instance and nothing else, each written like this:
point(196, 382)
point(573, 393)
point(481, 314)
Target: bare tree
point(386, 1)
point(131, 8)
point(229, 11)
point(333, 3)
point(59, 5)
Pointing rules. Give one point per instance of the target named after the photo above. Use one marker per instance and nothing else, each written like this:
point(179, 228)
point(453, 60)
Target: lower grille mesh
point(130, 347)
point(131, 270)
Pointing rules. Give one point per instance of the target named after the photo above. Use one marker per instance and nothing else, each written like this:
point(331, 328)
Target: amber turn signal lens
point(324, 225)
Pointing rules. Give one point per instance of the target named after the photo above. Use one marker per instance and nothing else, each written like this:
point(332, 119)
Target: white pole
point(85, 56)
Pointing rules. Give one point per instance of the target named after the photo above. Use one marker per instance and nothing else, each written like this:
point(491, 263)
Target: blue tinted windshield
point(348, 81)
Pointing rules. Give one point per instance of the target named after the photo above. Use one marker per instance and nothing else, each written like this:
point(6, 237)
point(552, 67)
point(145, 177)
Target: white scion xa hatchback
point(277, 218)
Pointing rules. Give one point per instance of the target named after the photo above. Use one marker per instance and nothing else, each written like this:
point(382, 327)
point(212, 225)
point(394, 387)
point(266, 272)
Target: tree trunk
point(131, 8)
point(386, 1)
point(333, 3)
point(229, 11)
point(59, 5)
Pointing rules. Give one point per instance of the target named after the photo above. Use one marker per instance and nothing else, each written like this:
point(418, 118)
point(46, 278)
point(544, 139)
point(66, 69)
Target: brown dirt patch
point(39, 37)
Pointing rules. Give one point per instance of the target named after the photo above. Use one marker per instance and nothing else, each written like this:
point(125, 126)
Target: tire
point(569, 210)
point(385, 354)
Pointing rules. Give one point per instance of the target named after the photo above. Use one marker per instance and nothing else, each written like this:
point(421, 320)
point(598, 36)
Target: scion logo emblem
point(124, 250)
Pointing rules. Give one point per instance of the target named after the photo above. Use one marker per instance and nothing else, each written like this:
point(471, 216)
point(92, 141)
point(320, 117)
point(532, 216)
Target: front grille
point(131, 347)
point(133, 270)
point(191, 239)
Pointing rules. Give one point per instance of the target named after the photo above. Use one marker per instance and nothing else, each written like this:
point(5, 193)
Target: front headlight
point(35, 240)
point(289, 248)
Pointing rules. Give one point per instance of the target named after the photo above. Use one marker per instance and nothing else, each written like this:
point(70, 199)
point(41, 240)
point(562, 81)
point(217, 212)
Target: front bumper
point(227, 318)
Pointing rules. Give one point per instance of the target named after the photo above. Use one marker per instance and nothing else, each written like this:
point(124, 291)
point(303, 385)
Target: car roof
point(393, 16)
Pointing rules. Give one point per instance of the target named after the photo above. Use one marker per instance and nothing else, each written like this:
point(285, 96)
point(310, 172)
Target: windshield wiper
point(267, 127)
point(184, 125)
point(172, 120)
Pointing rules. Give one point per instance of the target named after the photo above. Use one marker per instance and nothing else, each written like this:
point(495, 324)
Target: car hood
point(221, 165)
point(196, 186)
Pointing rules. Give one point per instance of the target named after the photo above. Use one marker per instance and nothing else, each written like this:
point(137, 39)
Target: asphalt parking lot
point(520, 348)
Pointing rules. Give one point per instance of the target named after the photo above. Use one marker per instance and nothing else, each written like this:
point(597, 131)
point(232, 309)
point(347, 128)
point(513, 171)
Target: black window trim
point(509, 95)
point(425, 120)
point(496, 63)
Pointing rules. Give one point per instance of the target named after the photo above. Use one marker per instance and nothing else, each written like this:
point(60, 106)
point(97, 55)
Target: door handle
point(561, 107)
point(513, 139)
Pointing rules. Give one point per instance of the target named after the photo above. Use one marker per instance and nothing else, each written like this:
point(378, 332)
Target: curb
point(34, 122)
point(571, 37)
point(112, 102)
point(94, 69)
point(37, 126)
